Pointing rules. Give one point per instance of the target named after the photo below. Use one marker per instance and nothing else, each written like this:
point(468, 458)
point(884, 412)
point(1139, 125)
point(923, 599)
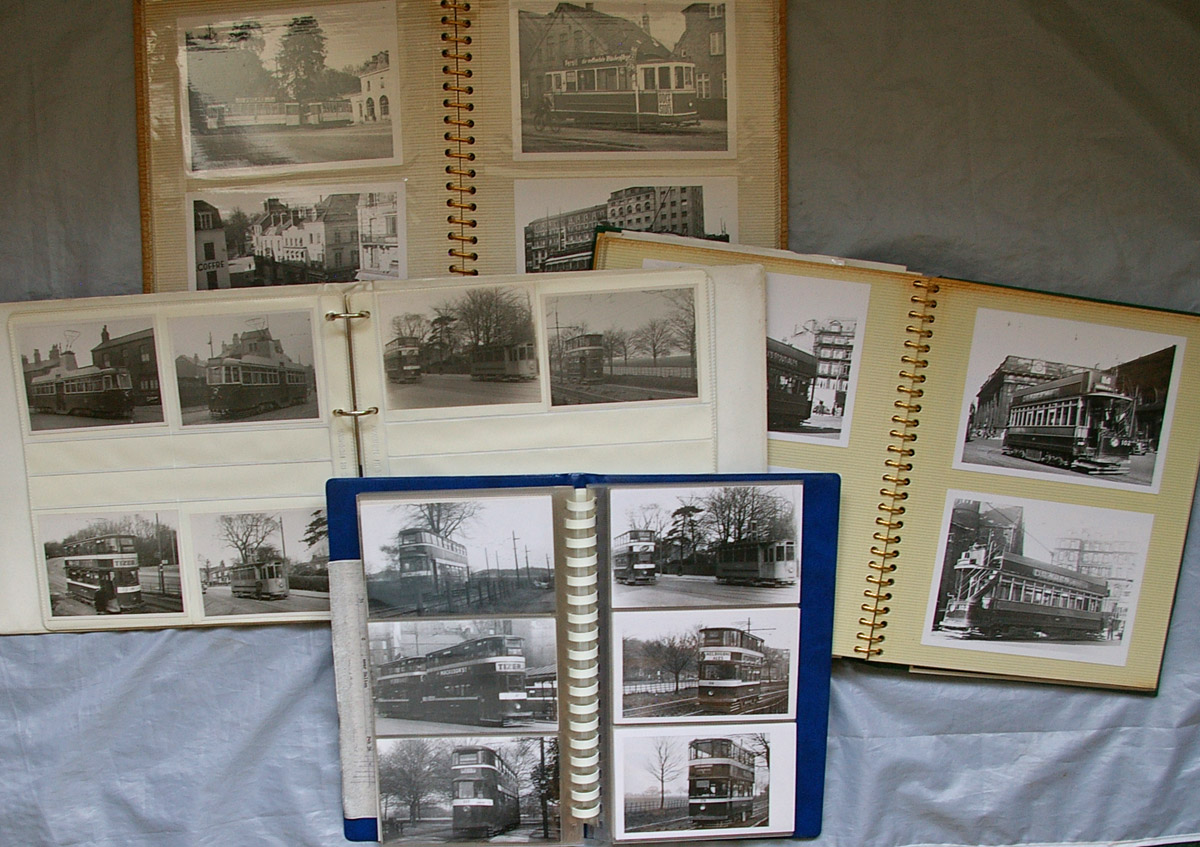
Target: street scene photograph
point(1057, 399)
point(623, 78)
point(464, 675)
point(710, 777)
point(623, 346)
point(463, 346)
point(1037, 578)
point(709, 545)
point(500, 789)
point(244, 368)
point(297, 235)
point(262, 562)
point(815, 333)
point(556, 219)
point(715, 665)
point(85, 374)
point(107, 563)
point(313, 85)
point(483, 555)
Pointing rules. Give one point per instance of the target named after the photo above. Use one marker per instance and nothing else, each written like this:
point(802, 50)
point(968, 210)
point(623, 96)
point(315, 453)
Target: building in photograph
point(135, 353)
point(833, 345)
point(212, 259)
point(190, 376)
point(1000, 529)
point(378, 235)
point(563, 241)
point(37, 366)
point(317, 243)
point(703, 43)
point(374, 99)
point(995, 395)
point(1113, 560)
point(1147, 380)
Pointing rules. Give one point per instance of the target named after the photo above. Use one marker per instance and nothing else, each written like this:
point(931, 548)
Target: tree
point(649, 516)
point(247, 34)
point(653, 338)
point(747, 513)
point(317, 529)
point(411, 325)
point(672, 654)
point(664, 764)
point(246, 532)
point(412, 771)
point(615, 343)
point(495, 316)
point(682, 319)
point(685, 529)
point(301, 58)
point(444, 518)
point(237, 225)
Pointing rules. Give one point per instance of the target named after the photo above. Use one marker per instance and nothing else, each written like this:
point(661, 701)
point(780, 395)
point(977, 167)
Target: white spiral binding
point(583, 651)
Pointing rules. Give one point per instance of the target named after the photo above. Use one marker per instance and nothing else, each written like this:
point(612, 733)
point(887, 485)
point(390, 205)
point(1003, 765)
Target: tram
point(92, 391)
point(633, 557)
point(238, 387)
point(112, 558)
point(484, 793)
point(1005, 595)
point(260, 580)
point(399, 686)
point(1081, 422)
point(504, 362)
point(541, 692)
point(730, 670)
point(481, 681)
point(771, 563)
point(720, 782)
point(583, 358)
point(611, 91)
point(402, 360)
point(790, 376)
point(426, 568)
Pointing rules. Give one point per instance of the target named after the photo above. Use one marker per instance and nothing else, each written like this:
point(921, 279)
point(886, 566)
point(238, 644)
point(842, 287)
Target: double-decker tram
point(484, 793)
point(771, 563)
point(730, 670)
point(1005, 595)
point(260, 580)
point(1081, 422)
point(583, 358)
point(402, 359)
point(249, 385)
point(110, 558)
point(720, 782)
point(426, 569)
point(92, 391)
point(790, 376)
point(481, 681)
point(633, 557)
point(611, 91)
point(399, 687)
point(504, 362)
point(541, 692)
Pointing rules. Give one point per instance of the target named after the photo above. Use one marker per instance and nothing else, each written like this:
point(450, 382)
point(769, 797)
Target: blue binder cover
point(818, 554)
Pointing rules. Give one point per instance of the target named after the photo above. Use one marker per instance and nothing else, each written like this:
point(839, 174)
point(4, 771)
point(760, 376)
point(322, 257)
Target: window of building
point(210, 250)
point(716, 44)
point(716, 10)
point(211, 277)
point(703, 86)
point(724, 86)
point(383, 105)
point(205, 220)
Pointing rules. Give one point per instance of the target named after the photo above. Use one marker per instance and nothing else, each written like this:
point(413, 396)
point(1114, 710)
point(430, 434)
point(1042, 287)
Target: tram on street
point(91, 391)
point(720, 782)
point(730, 670)
point(485, 796)
point(260, 580)
point(109, 558)
point(769, 563)
point(633, 557)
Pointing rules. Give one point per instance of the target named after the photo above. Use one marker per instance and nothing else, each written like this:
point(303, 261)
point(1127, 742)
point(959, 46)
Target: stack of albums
point(535, 659)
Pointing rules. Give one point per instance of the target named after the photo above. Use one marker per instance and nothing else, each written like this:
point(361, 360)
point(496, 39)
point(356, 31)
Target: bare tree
point(664, 764)
point(247, 532)
point(673, 654)
point(653, 338)
point(495, 316)
point(649, 516)
point(412, 325)
point(747, 513)
point(414, 771)
point(682, 318)
point(444, 518)
point(615, 343)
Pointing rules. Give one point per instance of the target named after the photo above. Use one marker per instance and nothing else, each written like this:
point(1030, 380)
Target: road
point(568, 138)
point(691, 590)
point(403, 726)
point(236, 148)
point(987, 451)
point(773, 701)
point(436, 391)
point(40, 421)
point(201, 415)
point(439, 830)
point(219, 600)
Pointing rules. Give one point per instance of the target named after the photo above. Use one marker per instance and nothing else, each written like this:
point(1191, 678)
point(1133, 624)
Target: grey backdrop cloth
point(1051, 145)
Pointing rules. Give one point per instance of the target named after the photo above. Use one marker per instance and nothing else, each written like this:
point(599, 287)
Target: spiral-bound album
point(1018, 467)
point(285, 142)
point(549, 659)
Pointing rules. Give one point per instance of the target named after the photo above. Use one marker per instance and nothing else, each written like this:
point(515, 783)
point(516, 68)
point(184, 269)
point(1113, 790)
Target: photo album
point(283, 142)
point(165, 455)
point(542, 659)
point(1017, 467)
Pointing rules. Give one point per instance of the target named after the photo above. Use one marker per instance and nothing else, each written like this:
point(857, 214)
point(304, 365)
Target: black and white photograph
point(467, 556)
point(717, 777)
point(89, 373)
point(713, 665)
point(109, 563)
point(731, 545)
point(1069, 401)
point(625, 346)
point(450, 348)
point(815, 333)
point(502, 789)
point(245, 368)
point(313, 85)
point(649, 79)
point(262, 562)
point(464, 675)
point(297, 235)
point(556, 219)
point(1037, 578)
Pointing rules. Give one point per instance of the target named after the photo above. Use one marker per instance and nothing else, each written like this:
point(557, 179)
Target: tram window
point(464, 789)
point(570, 81)
point(679, 76)
point(587, 80)
point(664, 77)
point(648, 79)
point(688, 80)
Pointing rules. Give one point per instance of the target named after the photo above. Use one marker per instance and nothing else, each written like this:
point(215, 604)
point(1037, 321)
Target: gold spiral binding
point(459, 123)
point(885, 550)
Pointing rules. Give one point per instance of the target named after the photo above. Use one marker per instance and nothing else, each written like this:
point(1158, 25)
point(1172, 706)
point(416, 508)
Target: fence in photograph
point(164, 581)
point(676, 371)
point(660, 687)
point(654, 804)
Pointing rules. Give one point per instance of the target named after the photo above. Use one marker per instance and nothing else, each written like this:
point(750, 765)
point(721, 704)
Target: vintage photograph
point(730, 545)
point(622, 346)
point(1067, 400)
point(500, 788)
point(1037, 578)
point(483, 555)
point(718, 664)
point(463, 675)
point(649, 79)
point(556, 219)
point(456, 347)
point(241, 368)
point(315, 85)
point(291, 236)
point(815, 332)
point(710, 777)
point(262, 562)
point(90, 373)
point(106, 563)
